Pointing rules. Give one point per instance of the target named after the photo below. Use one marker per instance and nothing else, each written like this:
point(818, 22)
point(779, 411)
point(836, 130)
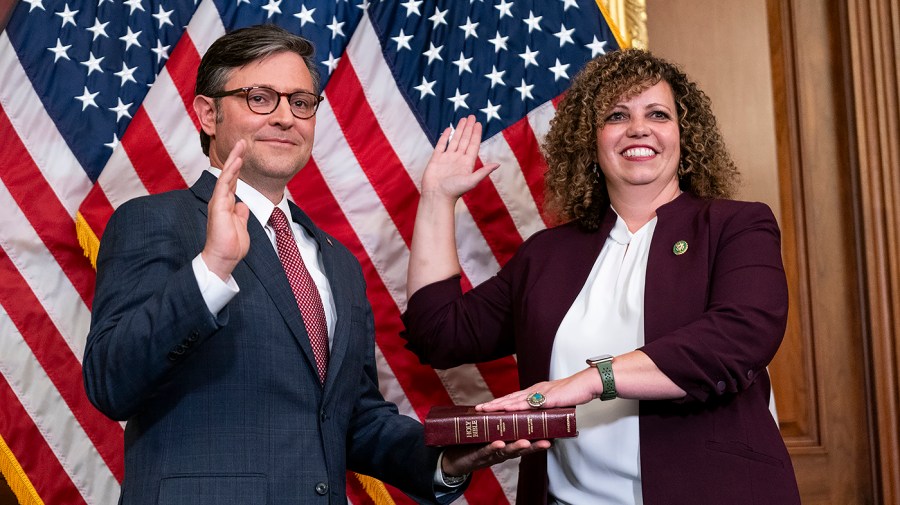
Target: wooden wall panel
point(873, 33)
point(820, 373)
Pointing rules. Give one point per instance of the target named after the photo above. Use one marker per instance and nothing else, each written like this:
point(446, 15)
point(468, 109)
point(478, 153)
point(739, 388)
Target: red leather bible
point(462, 424)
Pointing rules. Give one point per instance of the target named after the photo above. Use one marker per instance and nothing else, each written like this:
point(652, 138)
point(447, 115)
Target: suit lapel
point(263, 262)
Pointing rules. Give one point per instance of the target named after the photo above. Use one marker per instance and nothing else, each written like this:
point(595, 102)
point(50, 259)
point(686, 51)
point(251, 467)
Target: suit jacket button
point(749, 374)
point(720, 386)
point(172, 356)
point(322, 489)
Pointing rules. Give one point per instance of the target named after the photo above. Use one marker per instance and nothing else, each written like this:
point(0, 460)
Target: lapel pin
point(328, 239)
point(680, 248)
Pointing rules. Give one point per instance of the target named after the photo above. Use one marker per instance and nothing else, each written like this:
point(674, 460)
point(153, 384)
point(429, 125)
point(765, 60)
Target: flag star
point(559, 71)
point(305, 15)
point(364, 5)
point(114, 143)
point(402, 40)
point(162, 52)
point(412, 7)
point(469, 28)
point(239, 2)
point(121, 110)
point(130, 38)
point(331, 62)
point(126, 74)
point(59, 51)
point(533, 22)
point(438, 17)
point(433, 53)
point(87, 99)
point(425, 88)
point(499, 42)
point(505, 8)
point(134, 4)
point(463, 64)
point(496, 76)
point(35, 4)
point(100, 29)
point(529, 56)
point(569, 3)
point(525, 90)
point(163, 17)
point(93, 63)
point(596, 47)
point(336, 28)
point(68, 16)
point(272, 8)
point(491, 111)
point(459, 100)
point(564, 35)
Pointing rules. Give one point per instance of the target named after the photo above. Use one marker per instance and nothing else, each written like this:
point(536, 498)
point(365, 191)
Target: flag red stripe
point(182, 67)
point(420, 384)
point(524, 146)
point(96, 210)
point(57, 360)
point(501, 375)
point(44, 211)
point(493, 219)
point(151, 160)
point(40, 464)
point(379, 161)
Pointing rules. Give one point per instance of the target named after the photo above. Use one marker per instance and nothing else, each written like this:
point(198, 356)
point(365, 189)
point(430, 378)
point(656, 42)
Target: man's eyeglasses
point(262, 100)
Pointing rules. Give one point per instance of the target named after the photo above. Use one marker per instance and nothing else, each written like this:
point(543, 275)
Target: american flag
point(95, 109)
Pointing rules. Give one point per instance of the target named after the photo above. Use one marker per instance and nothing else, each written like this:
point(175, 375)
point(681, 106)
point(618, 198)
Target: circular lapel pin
point(680, 248)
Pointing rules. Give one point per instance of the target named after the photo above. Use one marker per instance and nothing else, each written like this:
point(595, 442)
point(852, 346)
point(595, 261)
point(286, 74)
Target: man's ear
point(205, 109)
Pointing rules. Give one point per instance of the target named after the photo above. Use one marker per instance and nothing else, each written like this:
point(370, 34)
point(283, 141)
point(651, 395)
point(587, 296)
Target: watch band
point(604, 368)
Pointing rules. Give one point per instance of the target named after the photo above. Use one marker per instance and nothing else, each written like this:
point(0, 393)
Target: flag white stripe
point(175, 128)
point(38, 133)
point(361, 205)
point(119, 180)
point(539, 119)
point(511, 186)
point(398, 121)
point(52, 417)
point(410, 143)
point(39, 268)
point(205, 26)
point(390, 387)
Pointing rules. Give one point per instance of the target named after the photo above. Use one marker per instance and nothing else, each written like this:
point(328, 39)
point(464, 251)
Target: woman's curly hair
point(573, 191)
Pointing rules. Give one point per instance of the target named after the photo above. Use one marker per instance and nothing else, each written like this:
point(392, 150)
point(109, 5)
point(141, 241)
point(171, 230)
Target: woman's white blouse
point(602, 465)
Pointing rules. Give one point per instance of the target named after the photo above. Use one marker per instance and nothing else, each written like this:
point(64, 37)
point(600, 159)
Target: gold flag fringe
point(375, 489)
point(16, 478)
point(87, 238)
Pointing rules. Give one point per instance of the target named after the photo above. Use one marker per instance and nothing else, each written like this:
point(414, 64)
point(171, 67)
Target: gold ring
point(536, 399)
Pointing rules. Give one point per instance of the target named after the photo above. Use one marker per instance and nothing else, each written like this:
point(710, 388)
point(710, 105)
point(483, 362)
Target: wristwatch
point(603, 363)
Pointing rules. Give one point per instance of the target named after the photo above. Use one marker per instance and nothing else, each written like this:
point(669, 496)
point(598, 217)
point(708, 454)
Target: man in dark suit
point(244, 380)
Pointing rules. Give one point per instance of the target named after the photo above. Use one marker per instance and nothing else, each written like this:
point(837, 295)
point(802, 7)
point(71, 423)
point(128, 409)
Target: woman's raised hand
point(451, 170)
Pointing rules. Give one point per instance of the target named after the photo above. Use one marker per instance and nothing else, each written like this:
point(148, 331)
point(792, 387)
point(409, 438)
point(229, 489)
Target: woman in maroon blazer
point(658, 294)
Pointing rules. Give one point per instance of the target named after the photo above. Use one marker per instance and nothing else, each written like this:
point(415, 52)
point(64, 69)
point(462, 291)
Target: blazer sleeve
point(722, 350)
point(148, 313)
point(445, 328)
